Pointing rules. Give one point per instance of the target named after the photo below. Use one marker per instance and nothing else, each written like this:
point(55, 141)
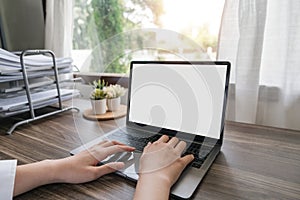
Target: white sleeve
point(7, 178)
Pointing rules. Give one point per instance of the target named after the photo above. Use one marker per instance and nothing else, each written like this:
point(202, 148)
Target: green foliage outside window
point(98, 23)
point(109, 21)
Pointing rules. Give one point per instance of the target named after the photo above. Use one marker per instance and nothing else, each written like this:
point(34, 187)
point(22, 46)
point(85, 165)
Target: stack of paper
point(36, 65)
point(42, 83)
point(19, 104)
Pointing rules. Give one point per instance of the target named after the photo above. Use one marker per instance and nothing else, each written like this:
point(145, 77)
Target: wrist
point(56, 170)
point(152, 186)
point(160, 178)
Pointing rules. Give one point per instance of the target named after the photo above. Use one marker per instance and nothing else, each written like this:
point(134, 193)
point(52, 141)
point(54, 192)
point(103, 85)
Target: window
point(110, 33)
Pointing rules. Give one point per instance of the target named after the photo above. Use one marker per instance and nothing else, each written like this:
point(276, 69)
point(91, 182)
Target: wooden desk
point(255, 163)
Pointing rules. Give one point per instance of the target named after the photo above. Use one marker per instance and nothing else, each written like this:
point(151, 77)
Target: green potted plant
point(113, 95)
point(98, 97)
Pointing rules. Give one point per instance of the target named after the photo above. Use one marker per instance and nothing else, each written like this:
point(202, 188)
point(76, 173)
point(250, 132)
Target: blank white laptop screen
point(183, 97)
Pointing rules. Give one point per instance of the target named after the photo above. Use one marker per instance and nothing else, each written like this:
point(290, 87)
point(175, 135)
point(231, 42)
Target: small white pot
point(99, 106)
point(113, 104)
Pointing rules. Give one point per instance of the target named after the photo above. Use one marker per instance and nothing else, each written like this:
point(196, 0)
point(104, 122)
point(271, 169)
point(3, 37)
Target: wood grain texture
point(256, 162)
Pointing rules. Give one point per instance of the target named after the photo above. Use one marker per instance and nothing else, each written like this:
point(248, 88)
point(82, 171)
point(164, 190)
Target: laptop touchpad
point(131, 160)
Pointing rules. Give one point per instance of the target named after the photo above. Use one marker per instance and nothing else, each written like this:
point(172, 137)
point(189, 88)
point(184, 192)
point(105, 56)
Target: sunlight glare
point(184, 14)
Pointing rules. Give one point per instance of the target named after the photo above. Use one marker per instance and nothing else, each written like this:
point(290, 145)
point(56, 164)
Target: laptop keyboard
point(199, 151)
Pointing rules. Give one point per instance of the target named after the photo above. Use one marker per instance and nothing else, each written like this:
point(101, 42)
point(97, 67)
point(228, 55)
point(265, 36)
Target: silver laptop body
point(175, 98)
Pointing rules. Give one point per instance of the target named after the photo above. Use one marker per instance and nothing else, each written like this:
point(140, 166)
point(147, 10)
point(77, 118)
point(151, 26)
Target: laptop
point(179, 99)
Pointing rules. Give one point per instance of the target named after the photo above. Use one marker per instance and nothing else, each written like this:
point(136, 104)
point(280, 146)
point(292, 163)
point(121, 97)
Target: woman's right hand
point(160, 166)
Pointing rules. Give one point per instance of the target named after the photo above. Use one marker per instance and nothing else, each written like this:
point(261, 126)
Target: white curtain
point(59, 27)
point(261, 38)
